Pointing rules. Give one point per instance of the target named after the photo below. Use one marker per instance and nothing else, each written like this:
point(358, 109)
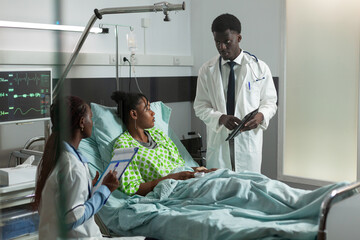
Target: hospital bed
point(215, 206)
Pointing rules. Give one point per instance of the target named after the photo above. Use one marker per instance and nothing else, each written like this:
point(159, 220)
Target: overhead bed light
point(55, 27)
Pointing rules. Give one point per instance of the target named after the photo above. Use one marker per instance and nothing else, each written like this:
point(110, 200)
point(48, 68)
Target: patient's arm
point(147, 187)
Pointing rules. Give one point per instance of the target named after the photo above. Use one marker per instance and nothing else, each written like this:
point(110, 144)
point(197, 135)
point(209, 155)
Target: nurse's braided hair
point(126, 102)
point(69, 111)
point(224, 22)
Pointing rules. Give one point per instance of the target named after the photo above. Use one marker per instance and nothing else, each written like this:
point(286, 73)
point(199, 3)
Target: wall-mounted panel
point(321, 94)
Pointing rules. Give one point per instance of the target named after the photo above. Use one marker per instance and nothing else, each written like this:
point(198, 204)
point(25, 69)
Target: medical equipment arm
point(160, 7)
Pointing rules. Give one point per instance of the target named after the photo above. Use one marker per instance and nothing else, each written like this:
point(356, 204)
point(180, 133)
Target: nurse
point(229, 86)
point(63, 186)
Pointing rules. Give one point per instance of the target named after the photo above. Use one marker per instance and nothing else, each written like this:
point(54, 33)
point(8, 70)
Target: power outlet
point(112, 59)
point(176, 61)
point(123, 60)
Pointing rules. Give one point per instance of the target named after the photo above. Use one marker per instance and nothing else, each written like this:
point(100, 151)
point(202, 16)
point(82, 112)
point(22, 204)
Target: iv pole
point(165, 7)
point(116, 31)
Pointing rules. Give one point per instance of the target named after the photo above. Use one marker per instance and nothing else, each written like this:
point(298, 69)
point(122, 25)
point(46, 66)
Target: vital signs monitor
point(25, 95)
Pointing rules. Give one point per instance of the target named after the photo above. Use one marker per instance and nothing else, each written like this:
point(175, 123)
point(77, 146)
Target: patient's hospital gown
point(149, 164)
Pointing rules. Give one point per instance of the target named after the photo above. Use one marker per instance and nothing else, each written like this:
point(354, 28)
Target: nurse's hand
point(95, 178)
point(111, 181)
point(229, 121)
point(255, 122)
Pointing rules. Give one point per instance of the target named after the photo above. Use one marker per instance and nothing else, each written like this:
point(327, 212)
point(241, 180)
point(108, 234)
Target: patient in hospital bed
point(158, 158)
point(220, 205)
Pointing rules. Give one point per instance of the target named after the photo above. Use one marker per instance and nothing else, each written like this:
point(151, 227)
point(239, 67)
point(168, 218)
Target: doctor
point(226, 92)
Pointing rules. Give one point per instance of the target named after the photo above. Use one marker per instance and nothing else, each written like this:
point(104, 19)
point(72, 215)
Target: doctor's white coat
point(210, 104)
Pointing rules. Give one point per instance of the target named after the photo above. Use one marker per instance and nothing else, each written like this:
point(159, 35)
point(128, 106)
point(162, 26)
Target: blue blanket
point(221, 205)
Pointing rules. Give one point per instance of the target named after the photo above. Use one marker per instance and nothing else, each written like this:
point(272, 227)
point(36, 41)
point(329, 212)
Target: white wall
point(260, 20)
point(321, 123)
point(162, 38)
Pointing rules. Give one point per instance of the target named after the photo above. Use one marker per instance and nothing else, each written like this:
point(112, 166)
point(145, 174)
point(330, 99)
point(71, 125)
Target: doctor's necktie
point(230, 103)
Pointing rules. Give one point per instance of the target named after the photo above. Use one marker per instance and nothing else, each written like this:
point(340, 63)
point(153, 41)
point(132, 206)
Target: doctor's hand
point(229, 121)
point(95, 178)
point(111, 181)
point(255, 122)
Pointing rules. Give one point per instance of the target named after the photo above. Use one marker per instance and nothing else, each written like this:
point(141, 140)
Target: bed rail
point(329, 201)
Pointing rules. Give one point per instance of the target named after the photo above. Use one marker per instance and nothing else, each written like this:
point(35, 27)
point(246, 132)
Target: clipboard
point(238, 129)
point(119, 162)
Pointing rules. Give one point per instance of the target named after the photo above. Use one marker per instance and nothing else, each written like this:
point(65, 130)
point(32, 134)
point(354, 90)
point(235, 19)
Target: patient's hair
point(66, 112)
point(127, 102)
point(224, 22)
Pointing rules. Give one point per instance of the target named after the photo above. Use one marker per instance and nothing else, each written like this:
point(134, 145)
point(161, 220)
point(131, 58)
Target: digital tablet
point(241, 126)
point(119, 162)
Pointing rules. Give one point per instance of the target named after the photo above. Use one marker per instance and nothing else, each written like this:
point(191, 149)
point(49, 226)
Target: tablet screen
point(238, 129)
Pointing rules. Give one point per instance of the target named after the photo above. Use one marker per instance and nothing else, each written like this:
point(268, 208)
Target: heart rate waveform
point(27, 111)
point(38, 78)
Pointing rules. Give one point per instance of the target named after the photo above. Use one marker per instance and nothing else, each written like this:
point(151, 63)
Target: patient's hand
point(199, 169)
point(111, 181)
point(204, 169)
point(147, 187)
point(181, 175)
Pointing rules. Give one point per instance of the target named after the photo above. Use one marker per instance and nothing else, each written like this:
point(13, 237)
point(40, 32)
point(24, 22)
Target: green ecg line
point(24, 113)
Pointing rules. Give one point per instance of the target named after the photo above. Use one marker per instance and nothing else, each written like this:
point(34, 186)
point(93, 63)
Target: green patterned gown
point(148, 164)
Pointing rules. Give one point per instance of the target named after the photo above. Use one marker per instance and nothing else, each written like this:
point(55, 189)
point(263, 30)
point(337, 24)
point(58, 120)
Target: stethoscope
point(80, 159)
point(256, 77)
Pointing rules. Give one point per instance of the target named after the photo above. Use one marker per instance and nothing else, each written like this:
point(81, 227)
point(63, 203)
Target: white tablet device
point(119, 162)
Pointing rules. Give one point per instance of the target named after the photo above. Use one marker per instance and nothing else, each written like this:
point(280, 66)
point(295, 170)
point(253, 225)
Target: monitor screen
point(25, 95)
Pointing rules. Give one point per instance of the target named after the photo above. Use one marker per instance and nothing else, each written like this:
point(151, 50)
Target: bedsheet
point(221, 205)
